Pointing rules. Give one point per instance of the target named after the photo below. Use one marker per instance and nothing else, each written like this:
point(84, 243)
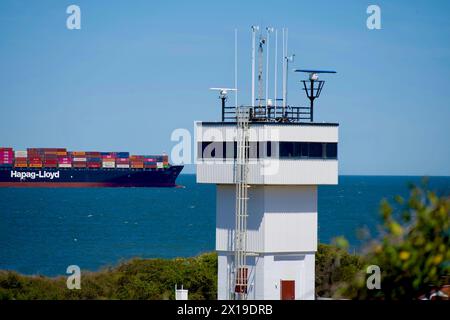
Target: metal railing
point(270, 114)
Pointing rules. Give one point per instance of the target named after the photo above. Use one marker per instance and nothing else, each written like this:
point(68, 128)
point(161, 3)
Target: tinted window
point(286, 149)
point(315, 150)
point(304, 149)
point(212, 149)
point(331, 150)
point(269, 148)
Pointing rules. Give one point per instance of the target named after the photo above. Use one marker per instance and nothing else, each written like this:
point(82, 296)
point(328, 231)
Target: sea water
point(42, 231)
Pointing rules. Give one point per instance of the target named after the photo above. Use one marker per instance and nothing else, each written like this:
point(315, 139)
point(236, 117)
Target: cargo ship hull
point(88, 177)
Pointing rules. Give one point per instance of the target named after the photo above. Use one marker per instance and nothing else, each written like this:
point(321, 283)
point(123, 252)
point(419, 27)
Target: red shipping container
point(79, 164)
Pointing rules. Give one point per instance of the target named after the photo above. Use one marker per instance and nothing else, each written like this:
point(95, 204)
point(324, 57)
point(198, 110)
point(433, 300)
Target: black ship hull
point(88, 177)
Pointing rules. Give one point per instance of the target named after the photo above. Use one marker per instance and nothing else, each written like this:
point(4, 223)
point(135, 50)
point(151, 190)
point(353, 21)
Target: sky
point(137, 70)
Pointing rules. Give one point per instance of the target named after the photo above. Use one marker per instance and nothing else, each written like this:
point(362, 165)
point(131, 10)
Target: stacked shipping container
point(20, 159)
point(61, 158)
point(122, 160)
point(94, 159)
point(6, 157)
point(78, 159)
point(108, 159)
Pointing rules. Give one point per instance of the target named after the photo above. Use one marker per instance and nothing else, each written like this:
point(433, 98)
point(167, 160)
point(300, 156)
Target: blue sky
point(137, 70)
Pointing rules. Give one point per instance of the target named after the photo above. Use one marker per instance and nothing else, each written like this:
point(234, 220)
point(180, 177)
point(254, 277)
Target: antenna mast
point(254, 29)
point(276, 69)
point(262, 41)
point(235, 69)
point(269, 30)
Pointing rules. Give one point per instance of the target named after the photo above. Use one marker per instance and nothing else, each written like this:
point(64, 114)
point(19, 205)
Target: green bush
point(135, 279)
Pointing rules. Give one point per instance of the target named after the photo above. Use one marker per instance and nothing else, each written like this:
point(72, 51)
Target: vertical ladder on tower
point(240, 236)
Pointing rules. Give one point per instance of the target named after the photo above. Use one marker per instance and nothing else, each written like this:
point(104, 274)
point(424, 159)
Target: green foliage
point(413, 252)
point(334, 268)
point(135, 279)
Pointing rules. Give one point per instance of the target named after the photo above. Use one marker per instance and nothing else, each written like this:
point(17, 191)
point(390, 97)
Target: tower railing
point(240, 237)
point(268, 114)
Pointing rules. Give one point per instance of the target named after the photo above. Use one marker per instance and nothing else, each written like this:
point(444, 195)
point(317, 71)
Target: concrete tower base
point(270, 276)
point(282, 241)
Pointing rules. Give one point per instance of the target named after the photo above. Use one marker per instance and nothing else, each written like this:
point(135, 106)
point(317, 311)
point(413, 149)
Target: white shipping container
point(159, 165)
point(79, 159)
point(123, 166)
point(108, 164)
point(65, 165)
point(20, 154)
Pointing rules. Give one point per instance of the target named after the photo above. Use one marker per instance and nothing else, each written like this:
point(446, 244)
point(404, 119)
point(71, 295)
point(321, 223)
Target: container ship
point(57, 167)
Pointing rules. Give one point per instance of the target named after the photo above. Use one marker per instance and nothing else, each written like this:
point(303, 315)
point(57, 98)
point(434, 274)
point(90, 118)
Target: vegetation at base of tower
point(156, 279)
point(413, 251)
point(134, 279)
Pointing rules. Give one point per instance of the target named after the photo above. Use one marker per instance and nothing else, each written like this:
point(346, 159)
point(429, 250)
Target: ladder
point(240, 235)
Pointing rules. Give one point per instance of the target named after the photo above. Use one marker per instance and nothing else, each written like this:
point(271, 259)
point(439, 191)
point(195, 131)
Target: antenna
point(313, 86)
point(235, 71)
point(262, 42)
point(254, 29)
point(282, 65)
point(223, 95)
point(268, 31)
point(276, 69)
point(286, 60)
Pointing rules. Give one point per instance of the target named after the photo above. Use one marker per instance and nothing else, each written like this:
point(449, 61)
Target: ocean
point(42, 231)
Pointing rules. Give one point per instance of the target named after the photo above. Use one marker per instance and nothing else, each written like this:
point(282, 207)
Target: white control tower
point(267, 161)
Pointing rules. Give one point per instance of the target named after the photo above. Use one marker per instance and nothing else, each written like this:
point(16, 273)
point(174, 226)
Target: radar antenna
point(223, 95)
point(313, 86)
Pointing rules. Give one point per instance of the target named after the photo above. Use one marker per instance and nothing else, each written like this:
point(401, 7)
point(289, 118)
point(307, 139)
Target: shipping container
point(108, 164)
point(64, 165)
point(78, 153)
point(122, 154)
point(20, 165)
point(35, 165)
point(123, 166)
point(79, 159)
point(21, 154)
point(108, 156)
point(79, 164)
